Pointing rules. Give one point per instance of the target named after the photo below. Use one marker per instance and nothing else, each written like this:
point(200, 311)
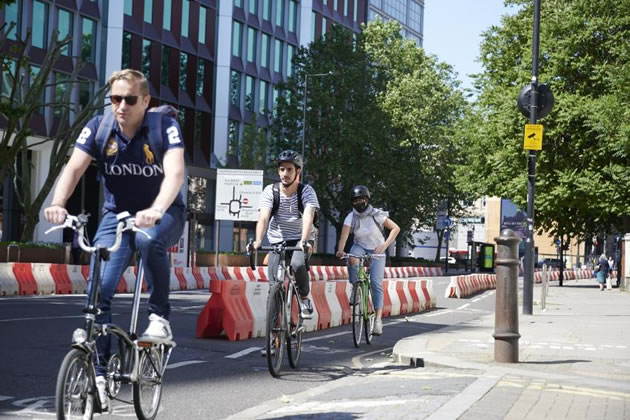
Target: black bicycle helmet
point(360, 191)
point(290, 156)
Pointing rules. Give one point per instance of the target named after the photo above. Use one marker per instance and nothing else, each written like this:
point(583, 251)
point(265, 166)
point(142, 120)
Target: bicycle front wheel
point(147, 391)
point(75, 391)
point(294, 336)
point(357, 313)
point(369, 315)
point(276, 329)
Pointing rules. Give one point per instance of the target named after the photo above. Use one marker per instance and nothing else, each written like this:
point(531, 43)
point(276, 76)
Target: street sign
point(238, 191)
point(545, 100)
point(533, 137)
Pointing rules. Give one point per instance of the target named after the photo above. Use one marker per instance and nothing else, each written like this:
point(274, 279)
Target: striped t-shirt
point(286, 224)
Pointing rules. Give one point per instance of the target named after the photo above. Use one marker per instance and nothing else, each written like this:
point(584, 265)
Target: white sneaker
point(306, 308)
point(101, 386)
point(158, 331)
point(378, 327)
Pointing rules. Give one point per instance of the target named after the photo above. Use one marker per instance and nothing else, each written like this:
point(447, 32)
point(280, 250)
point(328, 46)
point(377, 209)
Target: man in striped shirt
point(287, 224)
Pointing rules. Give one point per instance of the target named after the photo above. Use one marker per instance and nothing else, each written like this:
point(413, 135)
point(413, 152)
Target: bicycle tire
point(357, 314)
point(276, 329)
point(75, 389)
point(147, 391)
point(369, 315)
point(294, 332)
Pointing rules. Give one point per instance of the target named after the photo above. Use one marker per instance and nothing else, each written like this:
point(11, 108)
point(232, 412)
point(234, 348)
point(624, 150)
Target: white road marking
point(181, 364)
point(448, 311)
point(242, 353)
point(464, 306)
point(5, 397)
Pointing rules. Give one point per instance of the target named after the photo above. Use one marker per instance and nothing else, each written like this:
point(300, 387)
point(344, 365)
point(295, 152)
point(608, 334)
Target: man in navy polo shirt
point(134, 181)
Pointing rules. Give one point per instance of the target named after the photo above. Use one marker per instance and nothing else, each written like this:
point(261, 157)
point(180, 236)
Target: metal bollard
point(506, 333)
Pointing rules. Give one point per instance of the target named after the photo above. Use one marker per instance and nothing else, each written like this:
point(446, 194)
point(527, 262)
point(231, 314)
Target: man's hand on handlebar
point(340, 254)
point(55, 214)
point(149, 217)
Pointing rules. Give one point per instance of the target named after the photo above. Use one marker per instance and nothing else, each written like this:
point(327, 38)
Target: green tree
point(581, 173)
point(253, 146)
point(21, 102)
point(384, 119)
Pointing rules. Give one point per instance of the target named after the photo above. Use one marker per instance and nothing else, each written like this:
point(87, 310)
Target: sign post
point(237, 194)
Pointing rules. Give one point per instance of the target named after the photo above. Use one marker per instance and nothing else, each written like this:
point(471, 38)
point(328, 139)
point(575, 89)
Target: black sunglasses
point(117, 99)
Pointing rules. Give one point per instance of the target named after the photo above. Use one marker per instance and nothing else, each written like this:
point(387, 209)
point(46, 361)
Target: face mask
point(360, 207)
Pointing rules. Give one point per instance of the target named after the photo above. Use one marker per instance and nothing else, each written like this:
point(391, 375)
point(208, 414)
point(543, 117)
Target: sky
point(452, 31)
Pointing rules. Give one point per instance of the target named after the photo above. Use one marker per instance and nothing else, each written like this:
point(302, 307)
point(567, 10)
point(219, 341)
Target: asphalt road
point(207, 378)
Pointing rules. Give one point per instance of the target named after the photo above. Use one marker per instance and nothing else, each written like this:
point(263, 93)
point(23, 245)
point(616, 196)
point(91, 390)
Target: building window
point(185, 17)
point(201, 72)
point(313, 16)
point(183, 70)
point(40, 24)
point(264, 50)
point(279, 12)
point(356, 10)
point(277, 62)
point(148, 11)
point(237, 29)
point(238, 3)
point(202, 24)
point(88, 40)
point(86, 90)
point(146, 58)
point(65, 29)
point(263, 96)
point(233, 137)
point(274, 99)
point(292, 16)
point(166, 53)
point(61, 87)
point(252, 7)
point(166, 16)
point(235, 88)
point(249, 93)
point(128, 7)
point(267, 10)
point(323, 26)
point(8, 70)
point(126, 50)
point(345, 7)
point(12, 14)
point(290, 54)
point(197, 137)
point(251, 44)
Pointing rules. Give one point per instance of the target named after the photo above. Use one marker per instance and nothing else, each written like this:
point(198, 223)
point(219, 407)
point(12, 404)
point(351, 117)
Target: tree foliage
point(384, 118)
point(581, 174)
point(19, 105)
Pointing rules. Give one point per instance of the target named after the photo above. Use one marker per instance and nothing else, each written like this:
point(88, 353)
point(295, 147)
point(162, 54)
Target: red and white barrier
point(44, 279)
point(8, 282)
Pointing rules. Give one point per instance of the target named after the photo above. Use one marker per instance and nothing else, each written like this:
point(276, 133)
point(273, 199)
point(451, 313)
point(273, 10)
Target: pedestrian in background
point(602, 270)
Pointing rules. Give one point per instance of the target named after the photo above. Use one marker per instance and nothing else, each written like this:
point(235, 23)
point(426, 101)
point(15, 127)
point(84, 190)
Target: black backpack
point(276, 202)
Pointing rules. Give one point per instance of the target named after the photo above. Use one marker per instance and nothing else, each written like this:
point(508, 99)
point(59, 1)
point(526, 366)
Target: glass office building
point(409, 13)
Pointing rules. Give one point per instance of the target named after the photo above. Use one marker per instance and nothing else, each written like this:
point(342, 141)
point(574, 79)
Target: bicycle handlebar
point(277, 248)
point(78, 223)
point(363, 257)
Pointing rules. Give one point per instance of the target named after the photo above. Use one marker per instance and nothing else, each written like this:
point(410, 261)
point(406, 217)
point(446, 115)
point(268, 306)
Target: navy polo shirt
point(131, 174)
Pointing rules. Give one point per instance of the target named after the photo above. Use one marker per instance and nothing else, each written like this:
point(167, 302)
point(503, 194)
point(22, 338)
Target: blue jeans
point(377, 272)
point(154, 259)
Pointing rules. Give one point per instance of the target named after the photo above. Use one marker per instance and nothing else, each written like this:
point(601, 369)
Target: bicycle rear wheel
point(147, 391)
point(294, 336)
point(75, 391)
point(276, 329)
point(357, 313)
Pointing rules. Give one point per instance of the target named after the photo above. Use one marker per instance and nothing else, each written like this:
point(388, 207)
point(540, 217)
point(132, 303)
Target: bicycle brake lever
point(137, 229)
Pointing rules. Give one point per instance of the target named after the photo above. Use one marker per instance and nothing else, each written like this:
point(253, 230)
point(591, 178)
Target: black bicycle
point(138, 362)
point(284, 317)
